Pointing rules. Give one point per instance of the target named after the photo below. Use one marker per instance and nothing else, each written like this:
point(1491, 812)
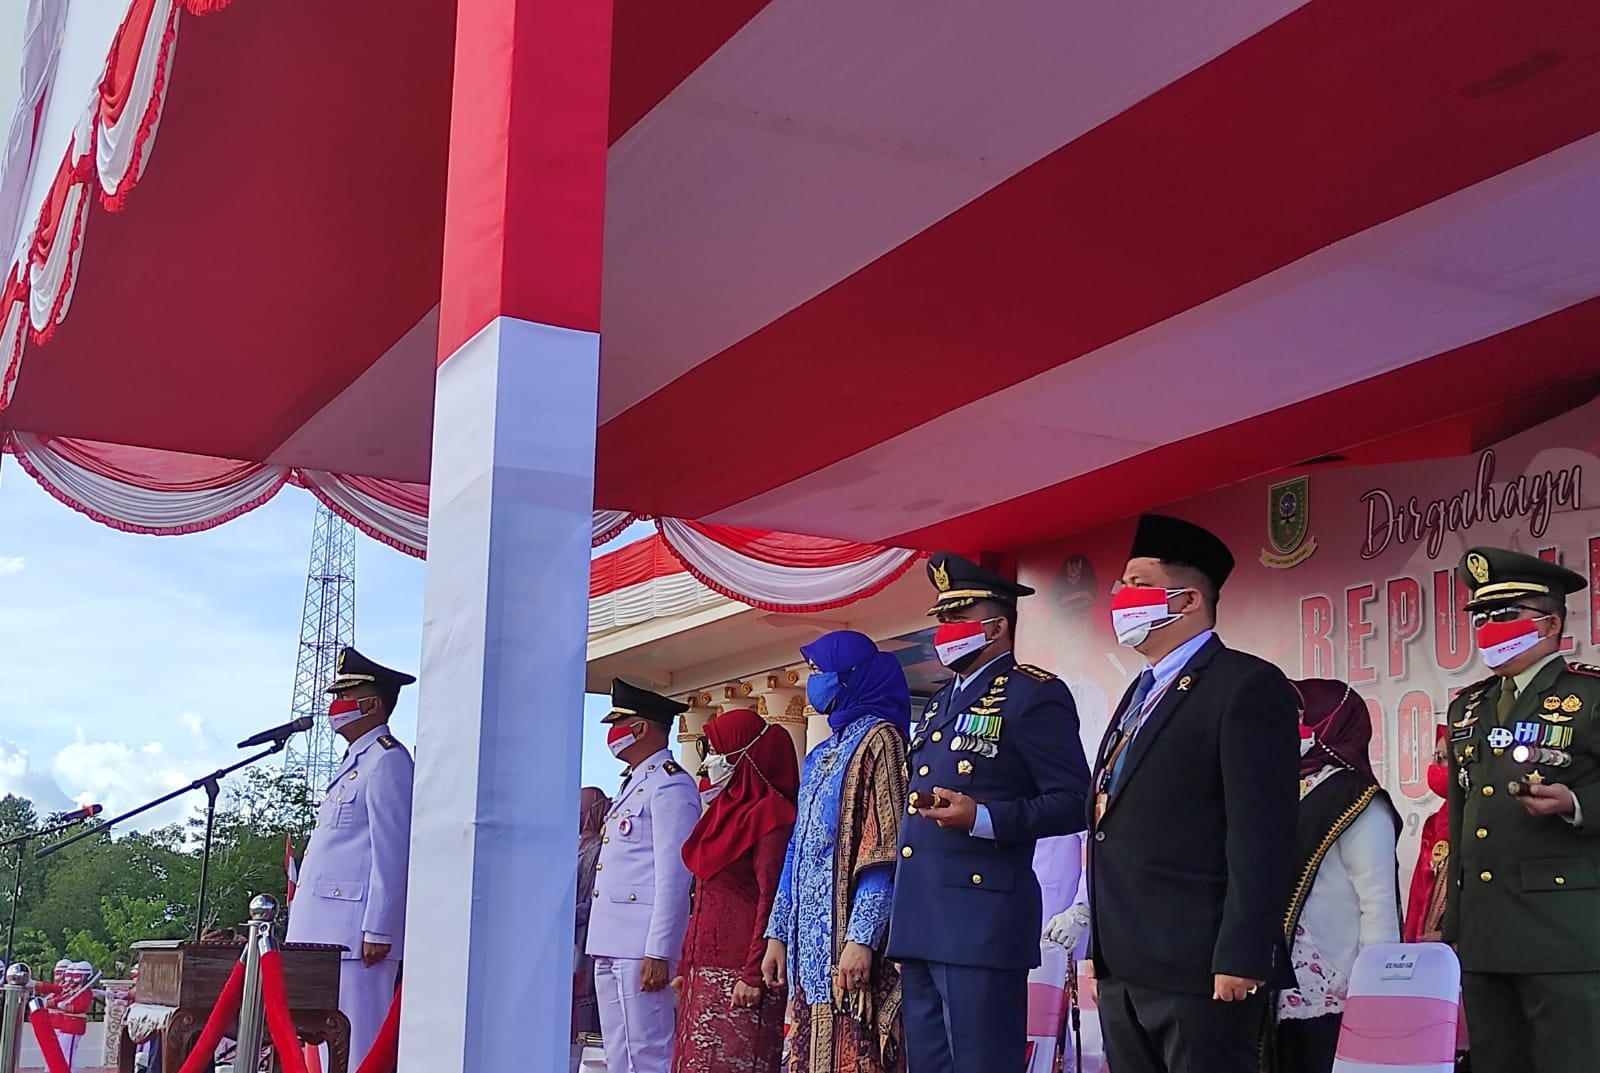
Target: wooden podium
point(188, 977)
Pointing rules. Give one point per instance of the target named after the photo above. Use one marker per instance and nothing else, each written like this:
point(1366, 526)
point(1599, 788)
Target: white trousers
point(69, 1047)
point(636, 1026)
point(365, 995)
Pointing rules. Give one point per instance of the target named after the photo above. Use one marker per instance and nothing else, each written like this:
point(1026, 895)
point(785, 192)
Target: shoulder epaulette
point(386, 741)
point(1038, 674)
point(1482, 684)
point(671, 767)
point(1584, 668)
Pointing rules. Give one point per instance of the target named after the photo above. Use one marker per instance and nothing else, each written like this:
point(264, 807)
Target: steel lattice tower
point(327, 625)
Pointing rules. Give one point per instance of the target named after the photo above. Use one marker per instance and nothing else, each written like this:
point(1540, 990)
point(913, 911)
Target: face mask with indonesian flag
point(619, 739)
point(1502, 642)
point(1136, 610)
point(957, 644)
point(341, 712)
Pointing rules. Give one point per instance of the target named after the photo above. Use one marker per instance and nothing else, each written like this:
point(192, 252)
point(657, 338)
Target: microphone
point(85, 813)
point(278, 734)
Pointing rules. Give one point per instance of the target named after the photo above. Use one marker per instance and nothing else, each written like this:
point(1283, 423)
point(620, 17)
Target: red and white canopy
point(938, 275)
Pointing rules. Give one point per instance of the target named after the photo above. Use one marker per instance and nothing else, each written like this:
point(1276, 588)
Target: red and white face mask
point(1136, 610)
point(709, 790)
point(342, 713)
point(1502, 642)
point(619, 739)
point(957, 643)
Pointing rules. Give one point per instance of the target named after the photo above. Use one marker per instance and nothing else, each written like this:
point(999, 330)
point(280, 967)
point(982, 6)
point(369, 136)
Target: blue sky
point(132, 663)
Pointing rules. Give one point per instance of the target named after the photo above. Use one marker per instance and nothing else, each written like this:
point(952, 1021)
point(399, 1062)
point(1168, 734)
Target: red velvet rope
point(222, 1015)
point(49, 1046)
point(385, 1053)
point(280, 1022)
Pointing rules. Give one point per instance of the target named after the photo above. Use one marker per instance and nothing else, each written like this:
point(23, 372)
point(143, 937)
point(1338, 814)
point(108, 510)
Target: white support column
point(500, 713)
point(782, 702)
point(500, 720)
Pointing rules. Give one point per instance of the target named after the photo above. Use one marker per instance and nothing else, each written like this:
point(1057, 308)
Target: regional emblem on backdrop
point(1289, 524)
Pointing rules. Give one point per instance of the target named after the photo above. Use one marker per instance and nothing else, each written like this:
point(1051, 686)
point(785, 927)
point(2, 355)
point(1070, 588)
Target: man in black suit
point(1193, 820)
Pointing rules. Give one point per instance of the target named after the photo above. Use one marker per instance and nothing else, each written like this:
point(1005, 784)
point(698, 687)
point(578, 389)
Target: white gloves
point(1068, 927)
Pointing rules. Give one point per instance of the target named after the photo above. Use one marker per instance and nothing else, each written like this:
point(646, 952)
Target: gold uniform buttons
point(923, 770)
point(937, 735)
point(977, 880)
point(1483, 832)
point(599, 865)
point(1488, 791)
point(597, 892)
point(633, 897)
point(911, 810)
point(905, 851)
point(1486, 876)
point(1561, 881)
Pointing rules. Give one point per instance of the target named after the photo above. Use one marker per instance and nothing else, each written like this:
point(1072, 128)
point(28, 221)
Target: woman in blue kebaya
point(831, 914)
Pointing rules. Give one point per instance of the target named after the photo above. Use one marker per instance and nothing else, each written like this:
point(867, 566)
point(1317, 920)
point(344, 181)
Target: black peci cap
point(1174, 540)
point(631, 702)
point(353, 669)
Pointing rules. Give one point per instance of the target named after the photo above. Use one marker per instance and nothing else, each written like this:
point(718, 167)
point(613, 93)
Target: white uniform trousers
point(365, 995)
point(636, 1026)
point(69, 1047)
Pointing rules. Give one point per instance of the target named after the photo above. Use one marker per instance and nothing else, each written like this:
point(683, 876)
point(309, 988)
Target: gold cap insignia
point(339, 666)
point(1478, 567)
point(941, 578)
point(1571, 704)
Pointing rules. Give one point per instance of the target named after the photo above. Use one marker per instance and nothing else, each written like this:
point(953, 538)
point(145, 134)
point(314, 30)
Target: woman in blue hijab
point(830, 917)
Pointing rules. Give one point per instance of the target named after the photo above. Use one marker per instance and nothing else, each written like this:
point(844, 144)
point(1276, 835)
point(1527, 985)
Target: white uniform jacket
point(640, 901)
point(353, 880)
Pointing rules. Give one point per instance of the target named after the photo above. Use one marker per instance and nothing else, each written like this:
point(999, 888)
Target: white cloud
point(18, 776)
point(14, 564)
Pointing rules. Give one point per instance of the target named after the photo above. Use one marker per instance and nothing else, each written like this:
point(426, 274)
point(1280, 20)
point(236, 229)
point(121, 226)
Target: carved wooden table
point(188, 977)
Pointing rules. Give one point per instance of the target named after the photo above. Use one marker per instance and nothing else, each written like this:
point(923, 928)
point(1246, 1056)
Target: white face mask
point(719, 766)
point(719, 769)
point(709, 794)
point(1137, 610)
point(1306, 743)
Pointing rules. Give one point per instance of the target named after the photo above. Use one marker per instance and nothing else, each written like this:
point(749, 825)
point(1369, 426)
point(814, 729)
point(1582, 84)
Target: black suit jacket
point(1190, 865)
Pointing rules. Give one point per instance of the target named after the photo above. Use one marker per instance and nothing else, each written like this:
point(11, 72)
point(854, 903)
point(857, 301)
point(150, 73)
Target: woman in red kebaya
point(1425, 906)
point(727, 1021)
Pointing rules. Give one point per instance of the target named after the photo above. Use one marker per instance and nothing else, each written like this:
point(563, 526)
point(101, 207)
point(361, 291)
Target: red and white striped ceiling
point(944, 273)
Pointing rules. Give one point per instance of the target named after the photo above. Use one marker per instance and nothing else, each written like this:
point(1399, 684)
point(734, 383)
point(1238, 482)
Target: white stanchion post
point(252, 1012)
point(511, 506)
point(18, 989)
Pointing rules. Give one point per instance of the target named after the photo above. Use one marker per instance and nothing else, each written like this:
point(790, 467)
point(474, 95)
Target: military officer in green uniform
point(1523, 906)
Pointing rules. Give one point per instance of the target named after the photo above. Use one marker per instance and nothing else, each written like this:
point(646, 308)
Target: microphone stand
point(20, 844)
point(211, 785)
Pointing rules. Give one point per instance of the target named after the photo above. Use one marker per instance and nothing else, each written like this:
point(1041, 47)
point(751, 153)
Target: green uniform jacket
point(1524, 891)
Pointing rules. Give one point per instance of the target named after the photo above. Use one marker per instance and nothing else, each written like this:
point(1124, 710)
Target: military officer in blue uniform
point(640, 907)
point(352, 890)
point(995, 765)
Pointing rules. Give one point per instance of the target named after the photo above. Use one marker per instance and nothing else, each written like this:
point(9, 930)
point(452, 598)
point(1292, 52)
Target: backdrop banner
point(1347, 572)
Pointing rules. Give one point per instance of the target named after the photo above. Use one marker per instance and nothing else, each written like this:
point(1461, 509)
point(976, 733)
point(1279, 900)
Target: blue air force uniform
point(967, 910)
point(640, 901)
point(352, 885)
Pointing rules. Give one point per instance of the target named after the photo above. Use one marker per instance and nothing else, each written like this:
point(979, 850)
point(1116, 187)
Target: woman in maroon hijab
point(1346, 894)
point(727, 1021)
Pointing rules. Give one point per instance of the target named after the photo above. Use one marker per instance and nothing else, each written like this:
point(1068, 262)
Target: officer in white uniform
point(352, 889)
point(641, 891)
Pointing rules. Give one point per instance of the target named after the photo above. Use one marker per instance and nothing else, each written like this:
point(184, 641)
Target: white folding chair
point(1402, 1010)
